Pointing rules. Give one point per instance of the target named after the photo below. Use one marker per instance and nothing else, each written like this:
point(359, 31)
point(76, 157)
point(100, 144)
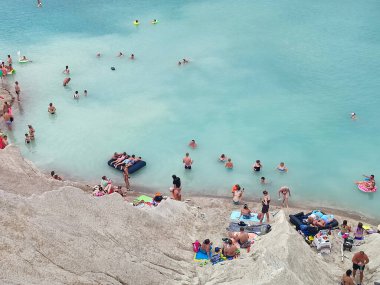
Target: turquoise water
point(268, 80)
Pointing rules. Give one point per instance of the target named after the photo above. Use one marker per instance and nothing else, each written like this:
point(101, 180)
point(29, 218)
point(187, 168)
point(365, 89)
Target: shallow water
point(268, 80)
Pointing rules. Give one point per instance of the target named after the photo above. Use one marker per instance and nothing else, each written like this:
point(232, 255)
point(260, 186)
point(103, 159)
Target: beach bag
point(348, 243)
point(196, 246)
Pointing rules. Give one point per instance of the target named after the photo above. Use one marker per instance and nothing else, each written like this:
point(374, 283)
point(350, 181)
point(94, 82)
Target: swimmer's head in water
point(124, 153)
point(174, 177)
point(258, 161)
point(282, 164)
point(50, 104)
point(262, 178)
point(245, 206)
point(187, 154)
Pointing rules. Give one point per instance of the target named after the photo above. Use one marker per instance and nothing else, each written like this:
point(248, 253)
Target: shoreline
point(305, 206)
point(143, 189)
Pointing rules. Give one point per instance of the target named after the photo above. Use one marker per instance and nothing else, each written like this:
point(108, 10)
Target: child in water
point(222, 158)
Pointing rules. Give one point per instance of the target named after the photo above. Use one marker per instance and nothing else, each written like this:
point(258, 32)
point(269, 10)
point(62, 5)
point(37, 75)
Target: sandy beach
point(56, 232)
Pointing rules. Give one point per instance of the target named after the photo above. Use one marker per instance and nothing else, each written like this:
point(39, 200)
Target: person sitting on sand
point(222, 158)
point(157, 198)
point(237, 196)
point(347, 279)
point(51, 109)
point(285, 192)
point(344, 228)
point(206, 247)
point(55, 176)
point(281, 167)
point(229, 249)
point(187, 161)
point(106, 184)
point(257, 166)
point(243, 239)
point(245, 212)
point(359, 232)
point(229, 164)
point(192, 144)
point(66, 81)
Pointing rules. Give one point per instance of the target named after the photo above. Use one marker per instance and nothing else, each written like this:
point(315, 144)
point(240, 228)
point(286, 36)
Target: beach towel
point(236, 214)
point(257, 229)
point(200, 256)
point(144, 198)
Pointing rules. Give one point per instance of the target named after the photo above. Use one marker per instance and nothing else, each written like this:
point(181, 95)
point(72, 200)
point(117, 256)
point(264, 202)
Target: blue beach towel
point(236, 214)
point(200, 256)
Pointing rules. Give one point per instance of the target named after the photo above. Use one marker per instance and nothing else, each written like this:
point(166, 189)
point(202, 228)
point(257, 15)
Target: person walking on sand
point(347, 279)
point(285, 192)
point(126, 178)
point(17, 90)
point(187, 161)
point(265, 200)
point(359, 261)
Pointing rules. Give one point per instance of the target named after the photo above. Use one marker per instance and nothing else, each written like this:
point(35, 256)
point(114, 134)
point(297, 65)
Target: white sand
point(63, 235)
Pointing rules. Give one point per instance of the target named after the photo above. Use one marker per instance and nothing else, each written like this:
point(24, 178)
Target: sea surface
point(269, 80)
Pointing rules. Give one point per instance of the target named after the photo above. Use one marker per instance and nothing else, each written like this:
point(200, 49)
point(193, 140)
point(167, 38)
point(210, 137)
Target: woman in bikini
point(265, 201)
point(257, 166)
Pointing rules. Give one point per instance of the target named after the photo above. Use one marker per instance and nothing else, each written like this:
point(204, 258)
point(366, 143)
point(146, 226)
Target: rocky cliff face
point(52, 233)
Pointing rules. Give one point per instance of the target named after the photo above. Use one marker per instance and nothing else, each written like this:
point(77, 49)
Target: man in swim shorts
point(285, 192)
point(187, 161)
point(359, 260)
point(245, 212)
point(243, 239)
point(51, 109)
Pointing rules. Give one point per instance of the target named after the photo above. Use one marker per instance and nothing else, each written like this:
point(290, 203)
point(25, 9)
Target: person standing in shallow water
point(265, 200)
point(126, 178)
point(187, 161)
point(176, 189)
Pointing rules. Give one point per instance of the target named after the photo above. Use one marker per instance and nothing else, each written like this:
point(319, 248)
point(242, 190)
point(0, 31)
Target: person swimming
point(281, 167)
point(85, 92)
point(98, 54)
point(193, 144)
point(353, 116)
point(120, 54)
point(76, 95)
point(132, 56)
point(257, 166)
point(66, 81)
point(222, 158)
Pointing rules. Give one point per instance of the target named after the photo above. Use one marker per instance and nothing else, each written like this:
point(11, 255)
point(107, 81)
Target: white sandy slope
point(66, 236)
